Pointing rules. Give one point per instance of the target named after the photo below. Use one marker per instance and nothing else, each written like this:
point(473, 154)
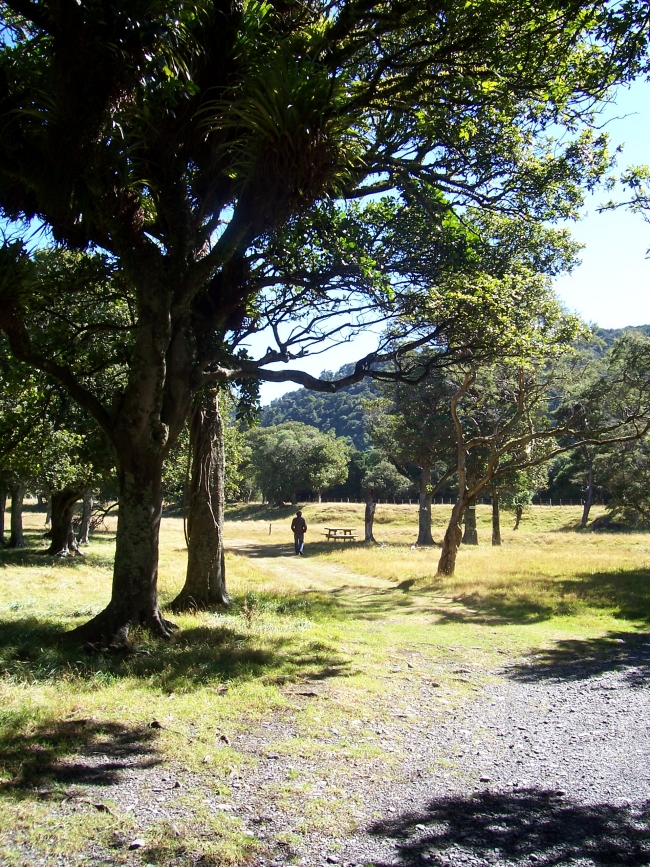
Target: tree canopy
point(183, 139)
point(291, 458)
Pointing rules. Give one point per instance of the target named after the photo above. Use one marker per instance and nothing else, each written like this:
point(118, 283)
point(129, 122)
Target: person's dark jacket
point(299, 525)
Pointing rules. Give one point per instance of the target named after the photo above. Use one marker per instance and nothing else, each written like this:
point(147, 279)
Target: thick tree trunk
point(3, 506)
point(519, 511)
point(451, 541)
point(134, 596)
point(370, 516)
point(424, 515)
point(589, 495)
point(48, 510)
point(205, 581)
point(470, 536)
point(17, 538)
point(496, 519)
point(84, 530)
point(62, 535)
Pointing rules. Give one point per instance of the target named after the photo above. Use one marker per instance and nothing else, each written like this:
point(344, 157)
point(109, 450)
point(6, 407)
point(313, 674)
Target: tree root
point(186, 603)
point(110, 628)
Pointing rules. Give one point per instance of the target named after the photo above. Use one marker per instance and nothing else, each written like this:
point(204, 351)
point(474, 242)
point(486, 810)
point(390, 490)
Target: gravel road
point(549, 767)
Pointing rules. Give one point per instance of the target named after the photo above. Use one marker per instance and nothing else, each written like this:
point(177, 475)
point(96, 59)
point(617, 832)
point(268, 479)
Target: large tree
point(509, 414)
point(175, 136)
point(293, 457)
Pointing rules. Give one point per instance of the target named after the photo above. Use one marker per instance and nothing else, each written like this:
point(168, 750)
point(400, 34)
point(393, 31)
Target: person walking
point(299, 528)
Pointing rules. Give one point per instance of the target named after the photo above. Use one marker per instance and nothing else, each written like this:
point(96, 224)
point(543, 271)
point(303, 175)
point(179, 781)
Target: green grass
point(362, 626)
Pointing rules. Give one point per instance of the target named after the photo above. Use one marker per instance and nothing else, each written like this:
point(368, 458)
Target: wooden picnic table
point(343, 533)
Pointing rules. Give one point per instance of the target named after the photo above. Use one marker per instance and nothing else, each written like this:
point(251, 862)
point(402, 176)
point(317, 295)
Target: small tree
point(412, 426)
point(624, 470)
point(383, 480)
point(514, 493)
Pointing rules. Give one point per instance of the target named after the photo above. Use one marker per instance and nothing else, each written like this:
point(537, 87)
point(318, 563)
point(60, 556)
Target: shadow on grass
point(34, 554)
point(31, 651)
point(78, 752)
point(519, 828)
point(264, 550)
point(624, 592)
point(581, 659)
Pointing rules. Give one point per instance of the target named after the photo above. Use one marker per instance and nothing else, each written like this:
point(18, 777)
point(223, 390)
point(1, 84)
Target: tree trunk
point(519, 511)
point(424, 515)
point(62, 535)
point(470, 536)
point(134, 595)
point(3, 506)
point(205, 581)
point(320, 494)
point(496, 519)
point(451, 541)
point(17, 538)
point(589, 496)
point(370, 516)
point(84, 531)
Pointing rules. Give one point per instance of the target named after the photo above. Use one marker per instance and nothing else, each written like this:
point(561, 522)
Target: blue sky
point(611, 286)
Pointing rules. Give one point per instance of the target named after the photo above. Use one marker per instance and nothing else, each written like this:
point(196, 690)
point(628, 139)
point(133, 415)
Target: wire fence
point(449, 501)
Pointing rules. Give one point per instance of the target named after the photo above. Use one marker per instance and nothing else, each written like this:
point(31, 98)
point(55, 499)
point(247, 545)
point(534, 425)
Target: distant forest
point(343, 412)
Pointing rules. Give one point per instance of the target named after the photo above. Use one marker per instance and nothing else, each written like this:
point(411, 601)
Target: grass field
point(362, 626)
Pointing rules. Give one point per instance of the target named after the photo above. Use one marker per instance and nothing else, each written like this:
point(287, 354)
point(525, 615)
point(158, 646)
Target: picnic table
point(343, 533)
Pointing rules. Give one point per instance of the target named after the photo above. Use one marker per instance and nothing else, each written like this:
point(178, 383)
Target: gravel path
point(546, 765)
point(549, 766)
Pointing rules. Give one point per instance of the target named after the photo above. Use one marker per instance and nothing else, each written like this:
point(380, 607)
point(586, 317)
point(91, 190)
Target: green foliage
point(46, 440)
point(293, 457)
point(624, 470)
point(385, 481)
point(412, 424)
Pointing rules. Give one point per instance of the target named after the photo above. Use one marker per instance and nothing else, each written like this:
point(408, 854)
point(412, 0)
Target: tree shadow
point(522, 827)
point(78, 752)
point(624, 592)
point(34, 554)
point(31, 651)
point(581, 659)
point(499, 607)
point(264, 550)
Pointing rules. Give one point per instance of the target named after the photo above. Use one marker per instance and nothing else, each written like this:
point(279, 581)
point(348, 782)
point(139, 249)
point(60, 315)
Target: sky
point(611, 286)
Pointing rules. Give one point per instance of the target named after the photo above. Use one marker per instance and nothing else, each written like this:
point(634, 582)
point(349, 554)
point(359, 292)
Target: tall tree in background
point(293, 457)
point(508, 414)
point(175, 136)
point(412, 426)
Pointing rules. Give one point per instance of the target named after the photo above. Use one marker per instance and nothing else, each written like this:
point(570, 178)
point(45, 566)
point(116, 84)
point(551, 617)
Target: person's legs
point(299, 541)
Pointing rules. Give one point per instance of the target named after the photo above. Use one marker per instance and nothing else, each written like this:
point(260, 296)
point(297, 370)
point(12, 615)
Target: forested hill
point(609, 335)
point(341, 412)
